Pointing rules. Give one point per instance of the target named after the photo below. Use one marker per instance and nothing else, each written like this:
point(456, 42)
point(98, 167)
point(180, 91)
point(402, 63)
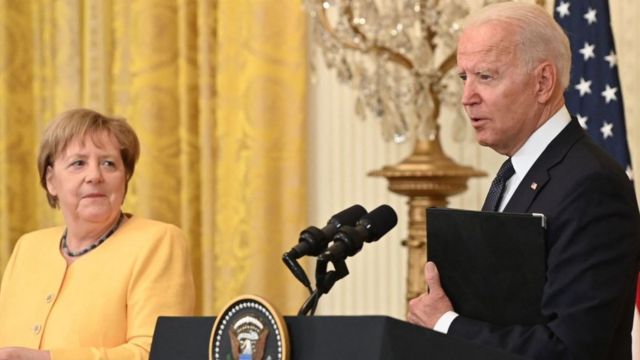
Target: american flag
point(594, 95)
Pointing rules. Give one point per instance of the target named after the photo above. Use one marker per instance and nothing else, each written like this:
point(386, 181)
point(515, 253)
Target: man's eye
point(485, 77)
point(463, 77)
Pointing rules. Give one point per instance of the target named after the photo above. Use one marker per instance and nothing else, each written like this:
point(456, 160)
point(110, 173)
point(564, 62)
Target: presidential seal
point(248, 328)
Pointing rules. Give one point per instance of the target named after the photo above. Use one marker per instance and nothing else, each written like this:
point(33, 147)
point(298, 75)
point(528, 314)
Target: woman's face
point(89, 179)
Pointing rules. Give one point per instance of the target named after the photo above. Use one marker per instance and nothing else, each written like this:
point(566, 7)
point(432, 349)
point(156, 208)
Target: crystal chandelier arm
point(425, 27)
point(447, 65)
point(377, 50)
point(437, 80)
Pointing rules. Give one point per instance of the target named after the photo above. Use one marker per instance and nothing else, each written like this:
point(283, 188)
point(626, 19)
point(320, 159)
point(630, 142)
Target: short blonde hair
point(78, 123)
point(539, 36)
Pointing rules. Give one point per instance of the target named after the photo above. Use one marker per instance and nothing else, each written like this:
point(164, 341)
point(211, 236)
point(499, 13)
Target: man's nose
point(470, 95)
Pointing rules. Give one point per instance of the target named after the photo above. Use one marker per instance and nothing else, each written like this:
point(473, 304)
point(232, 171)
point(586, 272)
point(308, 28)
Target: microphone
point(348, 240)
point(314, 241)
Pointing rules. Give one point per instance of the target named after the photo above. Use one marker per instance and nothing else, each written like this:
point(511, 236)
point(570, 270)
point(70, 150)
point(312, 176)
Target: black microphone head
point(378, 222)
point(314, 241)
point(348, 216)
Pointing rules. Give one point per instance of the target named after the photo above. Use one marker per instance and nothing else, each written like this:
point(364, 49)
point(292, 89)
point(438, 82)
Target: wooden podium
point(328, 337)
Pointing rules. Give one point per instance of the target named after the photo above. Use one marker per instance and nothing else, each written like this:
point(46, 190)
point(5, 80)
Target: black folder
point(492, 265)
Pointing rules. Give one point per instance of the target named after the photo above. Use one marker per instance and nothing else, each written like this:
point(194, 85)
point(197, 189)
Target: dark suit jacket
point(593, 246)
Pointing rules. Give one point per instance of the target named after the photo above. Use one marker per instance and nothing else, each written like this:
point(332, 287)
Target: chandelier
point(397, 55)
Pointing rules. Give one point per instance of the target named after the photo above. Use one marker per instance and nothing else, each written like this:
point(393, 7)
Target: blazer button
point(49, 298)
point(36, 329)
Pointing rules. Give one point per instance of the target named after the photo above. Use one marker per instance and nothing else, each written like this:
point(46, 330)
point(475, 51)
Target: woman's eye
point(77, 163)
point(109, 163)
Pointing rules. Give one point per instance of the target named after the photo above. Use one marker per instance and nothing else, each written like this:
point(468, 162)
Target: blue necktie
point(492, 202)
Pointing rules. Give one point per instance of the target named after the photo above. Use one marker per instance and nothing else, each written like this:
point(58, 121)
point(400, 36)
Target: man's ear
point(49, 176)
point(546, 76)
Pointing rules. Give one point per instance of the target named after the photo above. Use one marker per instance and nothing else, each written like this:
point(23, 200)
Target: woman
point(94, 288)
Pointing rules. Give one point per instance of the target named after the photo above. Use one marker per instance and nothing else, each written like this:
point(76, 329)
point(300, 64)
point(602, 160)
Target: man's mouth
point(477, 121)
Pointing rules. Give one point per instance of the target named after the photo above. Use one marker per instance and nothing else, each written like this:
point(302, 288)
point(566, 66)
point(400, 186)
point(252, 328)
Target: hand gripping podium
point(327, 337)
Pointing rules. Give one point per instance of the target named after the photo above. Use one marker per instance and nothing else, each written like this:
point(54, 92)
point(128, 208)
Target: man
point(515, 62)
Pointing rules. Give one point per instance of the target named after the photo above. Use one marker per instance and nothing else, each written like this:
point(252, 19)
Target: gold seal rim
point(278, 318)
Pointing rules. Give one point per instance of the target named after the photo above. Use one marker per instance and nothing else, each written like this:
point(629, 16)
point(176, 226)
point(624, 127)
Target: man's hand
point(426, 309)
point(20, 353)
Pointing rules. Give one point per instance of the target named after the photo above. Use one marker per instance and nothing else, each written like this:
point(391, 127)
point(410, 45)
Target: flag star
point(612, 59)
point(584, 87)
point(583, 121)
point(607, 130)
point(592, 90)
point(587, 51)
point(590, 16)
point(610, 94)
point(563, 9)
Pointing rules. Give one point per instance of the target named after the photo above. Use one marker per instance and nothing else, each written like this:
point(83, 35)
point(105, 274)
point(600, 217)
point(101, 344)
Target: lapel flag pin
point(534, 185)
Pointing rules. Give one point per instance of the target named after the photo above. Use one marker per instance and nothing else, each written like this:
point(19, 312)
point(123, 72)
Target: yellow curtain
point(216, 93)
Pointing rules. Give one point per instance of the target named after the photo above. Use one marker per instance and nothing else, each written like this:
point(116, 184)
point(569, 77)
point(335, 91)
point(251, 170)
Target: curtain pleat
point(215, 90)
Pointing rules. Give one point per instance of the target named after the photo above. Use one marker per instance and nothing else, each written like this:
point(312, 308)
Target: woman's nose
point(94, 173)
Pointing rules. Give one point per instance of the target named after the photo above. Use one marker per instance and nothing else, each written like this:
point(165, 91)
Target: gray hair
point(539, 35)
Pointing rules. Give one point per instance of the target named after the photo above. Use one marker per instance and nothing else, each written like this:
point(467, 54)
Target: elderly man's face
point(499, 94)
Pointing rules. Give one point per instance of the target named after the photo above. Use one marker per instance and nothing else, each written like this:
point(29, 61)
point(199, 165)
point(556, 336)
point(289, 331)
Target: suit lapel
point(538, 176)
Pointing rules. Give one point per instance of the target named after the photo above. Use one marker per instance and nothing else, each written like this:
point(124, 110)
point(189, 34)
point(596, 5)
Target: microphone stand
point(297, 270)
point(324, 282)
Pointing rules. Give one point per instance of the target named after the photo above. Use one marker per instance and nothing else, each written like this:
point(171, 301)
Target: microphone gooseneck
point(313, 241)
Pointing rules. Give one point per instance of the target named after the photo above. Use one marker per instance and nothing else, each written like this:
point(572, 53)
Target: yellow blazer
point(105, 304)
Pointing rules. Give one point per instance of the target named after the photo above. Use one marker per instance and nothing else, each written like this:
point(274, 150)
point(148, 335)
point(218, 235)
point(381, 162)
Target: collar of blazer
point(538, 175)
